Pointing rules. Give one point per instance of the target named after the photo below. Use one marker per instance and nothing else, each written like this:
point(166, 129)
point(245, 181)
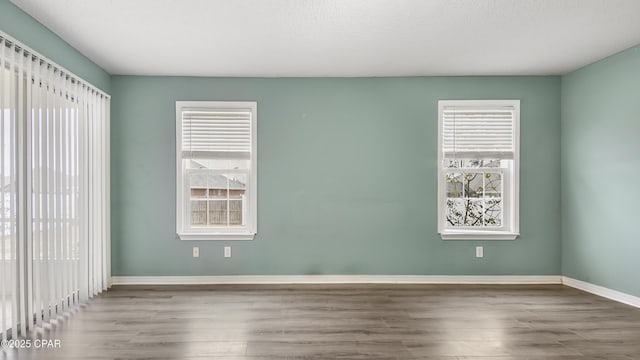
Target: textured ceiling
point(341, 37)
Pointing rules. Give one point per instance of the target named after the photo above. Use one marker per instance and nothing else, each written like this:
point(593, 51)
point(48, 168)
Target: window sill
point(219, 236)
point(479, 236)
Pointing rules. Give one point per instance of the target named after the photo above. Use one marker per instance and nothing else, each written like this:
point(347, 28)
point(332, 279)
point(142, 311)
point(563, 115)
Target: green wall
point(347, 172)
point(346, 177)
point(26, 29)
point(601, 173)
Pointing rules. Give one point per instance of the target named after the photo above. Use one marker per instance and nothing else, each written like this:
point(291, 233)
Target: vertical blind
point(54, 159)
point(219, 134)
point(478, 133)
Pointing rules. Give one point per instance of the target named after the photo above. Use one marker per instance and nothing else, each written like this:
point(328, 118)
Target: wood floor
point(346, 322)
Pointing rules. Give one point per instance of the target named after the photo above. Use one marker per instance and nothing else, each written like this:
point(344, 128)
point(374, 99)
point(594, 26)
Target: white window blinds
point(54, 183)
point(469, 132)
point(216, 134)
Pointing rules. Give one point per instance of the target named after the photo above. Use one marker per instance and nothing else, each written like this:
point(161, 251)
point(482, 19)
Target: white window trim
point(481, 234)
point(250, 230)
point(229, 236)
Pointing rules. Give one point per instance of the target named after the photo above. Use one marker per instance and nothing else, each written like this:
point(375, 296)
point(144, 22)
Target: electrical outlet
point(196, 252)
point(479, 251)
point(227, 251)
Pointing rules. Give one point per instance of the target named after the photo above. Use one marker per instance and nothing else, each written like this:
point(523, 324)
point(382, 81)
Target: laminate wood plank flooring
point(452, 322)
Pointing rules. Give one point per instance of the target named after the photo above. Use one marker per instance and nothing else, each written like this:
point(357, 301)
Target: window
point(478, 169)
point(216, 170)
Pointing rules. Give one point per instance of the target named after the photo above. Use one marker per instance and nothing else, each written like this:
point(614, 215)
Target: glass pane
point(464, 212)
point(492, 184)
point(473, 185)
point(454, 184)
point(473, 212)
point(235, 212)
point(493, 212)
point(217, 212)
point(472, 163)
point(455, 212)
point(453, 164)
point(198, 212)
point(198, 193)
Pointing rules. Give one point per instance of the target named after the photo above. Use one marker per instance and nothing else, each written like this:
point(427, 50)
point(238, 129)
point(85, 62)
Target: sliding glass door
point(54, 217)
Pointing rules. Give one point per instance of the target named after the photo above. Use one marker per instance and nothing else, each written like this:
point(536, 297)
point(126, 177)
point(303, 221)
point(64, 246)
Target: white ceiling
point(341, 37)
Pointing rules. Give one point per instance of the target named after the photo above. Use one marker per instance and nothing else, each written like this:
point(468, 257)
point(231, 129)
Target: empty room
point(326, 179)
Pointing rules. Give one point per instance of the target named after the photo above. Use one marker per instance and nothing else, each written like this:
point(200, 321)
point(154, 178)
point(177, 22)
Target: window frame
point(511, 182)
point(183, 194)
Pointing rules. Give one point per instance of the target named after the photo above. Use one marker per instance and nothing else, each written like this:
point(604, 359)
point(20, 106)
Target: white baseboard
point(336, 279)
point(378, 279)
point(602, 291)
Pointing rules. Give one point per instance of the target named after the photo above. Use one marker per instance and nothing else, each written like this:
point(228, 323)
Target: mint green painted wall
point(347, 177)
point(29, 31)
point(601, 173)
